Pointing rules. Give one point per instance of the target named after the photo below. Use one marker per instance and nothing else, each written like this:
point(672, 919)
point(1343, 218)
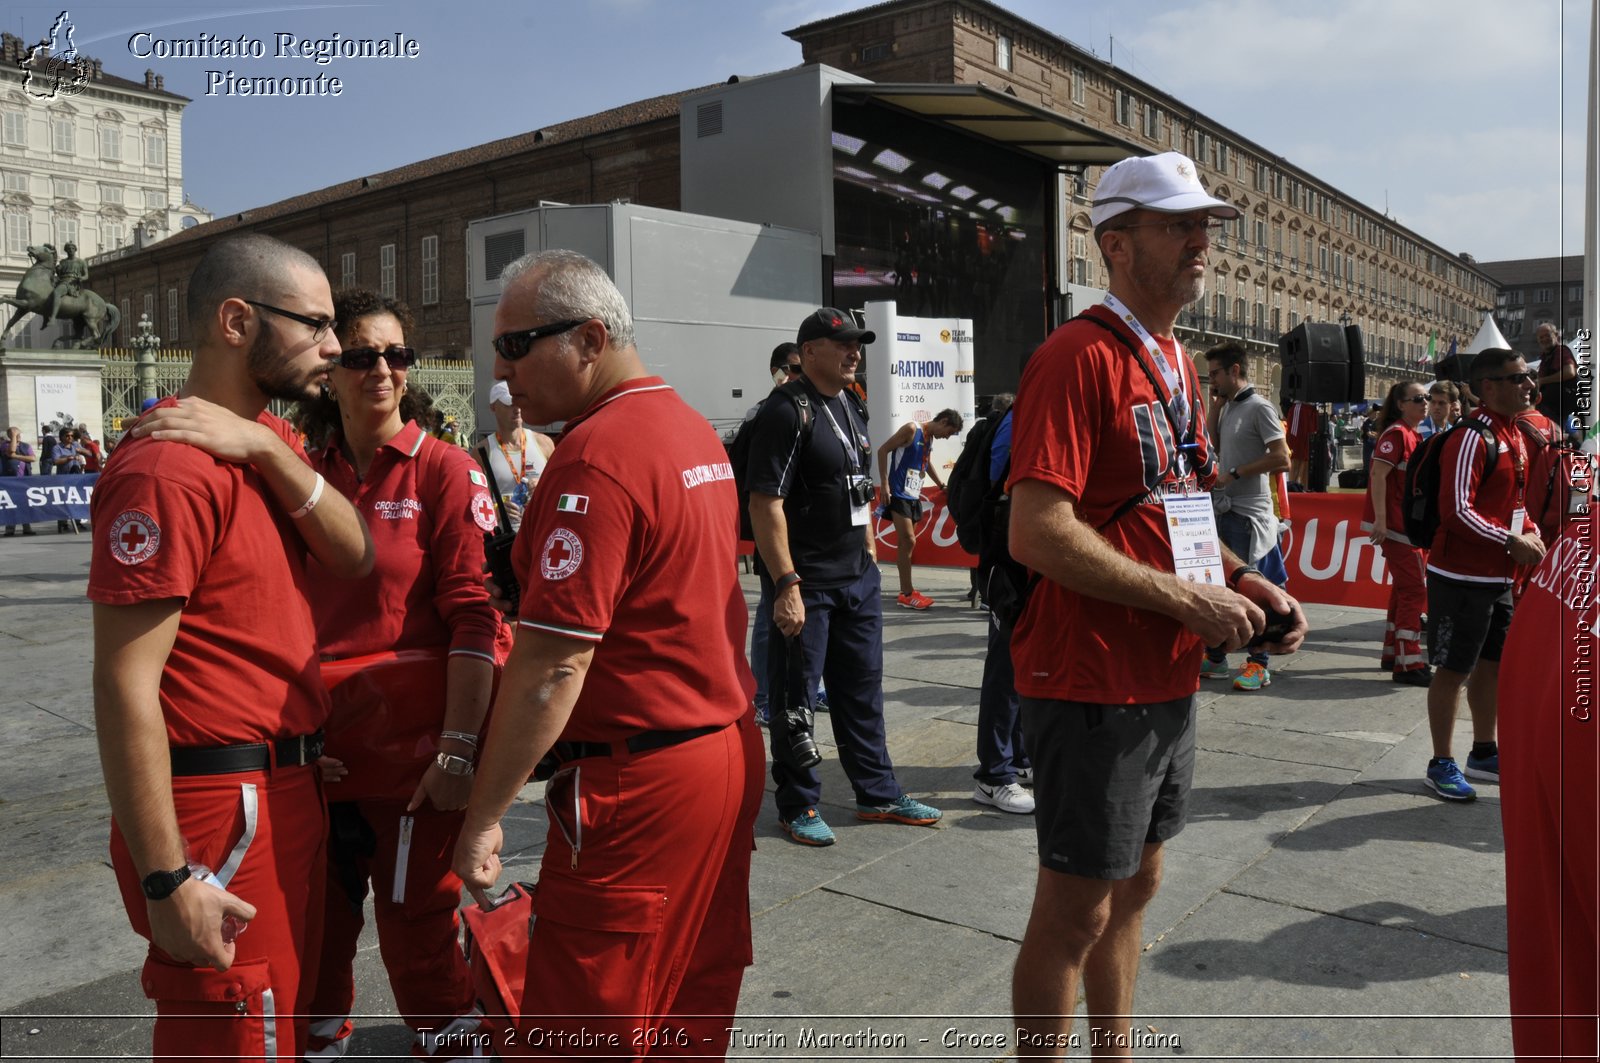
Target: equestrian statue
point(54, 290)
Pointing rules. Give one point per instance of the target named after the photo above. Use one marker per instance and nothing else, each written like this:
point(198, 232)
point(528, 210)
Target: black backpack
point(968, 485)
point(799, 393)
point(1423, 480)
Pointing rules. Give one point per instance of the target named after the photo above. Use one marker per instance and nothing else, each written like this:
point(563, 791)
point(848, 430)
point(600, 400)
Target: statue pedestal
point(37, 387)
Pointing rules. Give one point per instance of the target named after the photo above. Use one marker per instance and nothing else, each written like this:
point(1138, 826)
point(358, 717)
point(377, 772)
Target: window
point(64, 187)
point(150, 307)
point(1544, 295)
point(1152, 121)
point(1222, 155)
point(127, 316)
point(16, 233)
point(386, 271)
point(1002, 52)
point(1080, 259)
point(430, 270)
point(111, 194)
point(172, 314)
point(16, 181)
point(66, 231)
point(1077, 85)
point(1202, 147)
point(155, 149)
point(1263, 177)
point(1574, 293)
point(14, 129)
point(1124, 108)
point(111, 143)
point(64, 134)
point(347, 270)
point(873, 53)
point(111, 235)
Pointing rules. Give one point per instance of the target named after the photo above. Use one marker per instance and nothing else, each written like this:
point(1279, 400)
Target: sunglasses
point(792, 370)
point(1184, 227)
point(1514, 378)
point(320, 326)
point(1416, 398)
point(397, 357)
point(514, 345)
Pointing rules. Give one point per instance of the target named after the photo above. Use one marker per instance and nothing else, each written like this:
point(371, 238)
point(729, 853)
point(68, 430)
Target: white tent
point(1488, 337)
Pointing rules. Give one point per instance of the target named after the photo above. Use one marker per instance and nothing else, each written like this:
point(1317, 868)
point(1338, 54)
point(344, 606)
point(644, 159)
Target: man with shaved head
point(629, 669)
point(208, 694)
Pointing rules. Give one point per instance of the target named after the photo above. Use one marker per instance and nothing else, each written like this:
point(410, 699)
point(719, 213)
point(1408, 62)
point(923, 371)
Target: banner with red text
point(1329, 558)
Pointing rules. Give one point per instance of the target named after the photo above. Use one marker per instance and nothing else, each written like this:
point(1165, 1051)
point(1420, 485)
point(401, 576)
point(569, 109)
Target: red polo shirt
point(1474, 507)
point(171, 521)
point(427, 506)
point(630, 542)
point(1090, 423)
point(1395, 447)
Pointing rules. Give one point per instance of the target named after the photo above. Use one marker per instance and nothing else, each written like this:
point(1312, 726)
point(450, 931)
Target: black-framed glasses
point(1515, 378)
point(397, 357)
point(320, 326)
point(1184, 227)
point(792, 370)
point(513, 345)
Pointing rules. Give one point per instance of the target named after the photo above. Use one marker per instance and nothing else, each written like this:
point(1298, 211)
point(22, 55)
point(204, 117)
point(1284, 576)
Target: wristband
point(783, 583)
point(1240, 573)
point(461, 736)
point(311, 503)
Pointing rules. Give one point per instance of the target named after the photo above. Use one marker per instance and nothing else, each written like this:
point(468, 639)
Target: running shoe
point(903, 809)
point(1446, 780)
point(1414, 677)
point(1485, 768)
point(1007, 797)
point(915, 600)
point(808, 829)
point(1254, 677)
point(1210, 669)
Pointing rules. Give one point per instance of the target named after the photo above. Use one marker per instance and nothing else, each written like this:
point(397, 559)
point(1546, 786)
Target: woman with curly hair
point(409, 654)
point(1383, 518)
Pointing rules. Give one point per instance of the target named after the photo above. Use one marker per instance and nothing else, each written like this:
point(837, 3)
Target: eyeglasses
point(1184, 227)
point(1416, 399)
point(513, 345)
point(320, 326)
point(1515, 378)
point(792, 370)
point(396, 357)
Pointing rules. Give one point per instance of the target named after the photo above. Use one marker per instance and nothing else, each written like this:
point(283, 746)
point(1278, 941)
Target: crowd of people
point(306, 691)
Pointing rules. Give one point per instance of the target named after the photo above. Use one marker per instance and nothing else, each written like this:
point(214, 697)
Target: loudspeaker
point(1358, 363)
point(1316, 364)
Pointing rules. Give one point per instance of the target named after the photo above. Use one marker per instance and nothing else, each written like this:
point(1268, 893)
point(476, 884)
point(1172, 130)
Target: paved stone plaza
point(1320, 904)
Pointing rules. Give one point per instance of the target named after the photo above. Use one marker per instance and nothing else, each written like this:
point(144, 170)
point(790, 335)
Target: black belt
point(255, 756)
point(642, 742)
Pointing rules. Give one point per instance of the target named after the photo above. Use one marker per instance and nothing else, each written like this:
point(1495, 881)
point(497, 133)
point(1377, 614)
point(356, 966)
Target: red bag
point(496, 944)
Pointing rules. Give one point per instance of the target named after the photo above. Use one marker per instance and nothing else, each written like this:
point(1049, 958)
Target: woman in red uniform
point(409, 655)
point(1383, 516)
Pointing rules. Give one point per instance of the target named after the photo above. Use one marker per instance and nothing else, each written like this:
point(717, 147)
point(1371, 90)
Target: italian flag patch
point(477, 478)
point(573, 504)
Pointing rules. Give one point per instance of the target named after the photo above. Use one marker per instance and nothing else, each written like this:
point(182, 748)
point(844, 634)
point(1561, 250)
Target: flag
point(1433, 345)
point(1451, 353)
point(573, 504)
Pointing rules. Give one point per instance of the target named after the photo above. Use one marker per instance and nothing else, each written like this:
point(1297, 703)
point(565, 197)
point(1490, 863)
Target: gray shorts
point(1110, 779)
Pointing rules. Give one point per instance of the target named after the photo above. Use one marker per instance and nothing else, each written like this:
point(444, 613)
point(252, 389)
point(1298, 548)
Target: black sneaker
point(1415, 677)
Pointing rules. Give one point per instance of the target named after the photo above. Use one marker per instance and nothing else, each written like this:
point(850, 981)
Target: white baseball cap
point(500, 394)
point(1169, 183)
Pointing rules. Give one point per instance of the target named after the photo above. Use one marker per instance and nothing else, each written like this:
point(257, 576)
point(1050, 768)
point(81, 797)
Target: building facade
point(1537, 291)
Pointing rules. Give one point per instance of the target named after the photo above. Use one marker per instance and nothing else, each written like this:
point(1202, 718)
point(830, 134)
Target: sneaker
point(763, 716)
point(1024, 776)
point(1485, 768)
point(1210, 669)
point(915, 600)
point(808, 829)
point(1415, 677)
point(1007, 797)
point(1254, 677)
point(904, 809)
point(329, 1038)
point(1445, 779)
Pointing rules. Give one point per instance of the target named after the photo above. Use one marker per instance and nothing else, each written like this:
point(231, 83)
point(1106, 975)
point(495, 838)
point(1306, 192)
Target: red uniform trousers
point(252, 1010)
point(641, 928)
point(1548, 800)
point(1408, 600)
point(414, 903)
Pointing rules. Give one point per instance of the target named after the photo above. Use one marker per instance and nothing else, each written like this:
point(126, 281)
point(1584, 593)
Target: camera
point(792, 721)
point(860, 490)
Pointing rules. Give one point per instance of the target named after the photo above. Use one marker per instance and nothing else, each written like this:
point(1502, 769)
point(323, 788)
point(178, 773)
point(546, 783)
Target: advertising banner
point(917, 367)
point(1329, 558)
point(25, 499)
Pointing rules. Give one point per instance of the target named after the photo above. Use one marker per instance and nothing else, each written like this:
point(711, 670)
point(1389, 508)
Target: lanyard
point(1169, 374)
point(522, 456)
point(850, 451)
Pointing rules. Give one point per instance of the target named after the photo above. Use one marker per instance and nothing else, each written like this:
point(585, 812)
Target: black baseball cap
point(831, 324)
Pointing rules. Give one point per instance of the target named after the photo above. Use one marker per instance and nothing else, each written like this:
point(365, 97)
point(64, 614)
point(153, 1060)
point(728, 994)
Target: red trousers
point(275, 824)
point(1408, 600)
point(415, 900)
point(641, 928)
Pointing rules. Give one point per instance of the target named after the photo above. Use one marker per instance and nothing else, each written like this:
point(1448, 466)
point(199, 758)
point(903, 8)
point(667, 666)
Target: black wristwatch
point(159, 885)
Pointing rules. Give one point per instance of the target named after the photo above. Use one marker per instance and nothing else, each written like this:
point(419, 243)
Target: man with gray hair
point(209, 699)
point(629, 671)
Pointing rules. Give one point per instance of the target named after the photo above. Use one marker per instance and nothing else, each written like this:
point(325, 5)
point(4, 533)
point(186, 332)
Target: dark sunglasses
point(513, 345)
point(792, 370)
point(1416, 398)
point(397, 357)
point(1515, 378)
point(320, 326)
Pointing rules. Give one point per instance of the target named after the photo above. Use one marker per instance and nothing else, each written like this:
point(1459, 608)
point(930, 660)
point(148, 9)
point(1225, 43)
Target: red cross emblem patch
point(562, 554)
point(135, 537)
point(483, 511)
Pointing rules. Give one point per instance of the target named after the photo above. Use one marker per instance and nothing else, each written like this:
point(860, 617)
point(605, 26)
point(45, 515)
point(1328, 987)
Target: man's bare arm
point(772, 540)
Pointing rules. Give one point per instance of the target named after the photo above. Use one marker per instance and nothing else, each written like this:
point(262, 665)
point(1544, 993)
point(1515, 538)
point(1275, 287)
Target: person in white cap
point(1109, 452)
point(515, 455)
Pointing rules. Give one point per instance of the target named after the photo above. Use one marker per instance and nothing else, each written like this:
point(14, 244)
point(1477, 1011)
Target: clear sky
point(1448, 112)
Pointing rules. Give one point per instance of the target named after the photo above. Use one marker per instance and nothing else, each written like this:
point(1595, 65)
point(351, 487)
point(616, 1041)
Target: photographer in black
point(810, 483)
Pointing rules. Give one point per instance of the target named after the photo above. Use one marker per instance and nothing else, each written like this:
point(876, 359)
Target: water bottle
point(232, 925)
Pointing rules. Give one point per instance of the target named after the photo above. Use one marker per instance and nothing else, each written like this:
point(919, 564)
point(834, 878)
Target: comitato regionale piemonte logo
point(53, 68)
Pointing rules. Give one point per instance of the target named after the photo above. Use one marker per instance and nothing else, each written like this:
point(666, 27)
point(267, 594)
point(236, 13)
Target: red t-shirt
point(1089, 423)
point(1474, 509)
point(1395, 447)
point(630, 542)
point(171, 521)
point(1303, 419)
point(427, 506)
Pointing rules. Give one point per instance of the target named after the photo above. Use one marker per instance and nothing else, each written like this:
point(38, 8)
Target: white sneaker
point(1007, 798)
